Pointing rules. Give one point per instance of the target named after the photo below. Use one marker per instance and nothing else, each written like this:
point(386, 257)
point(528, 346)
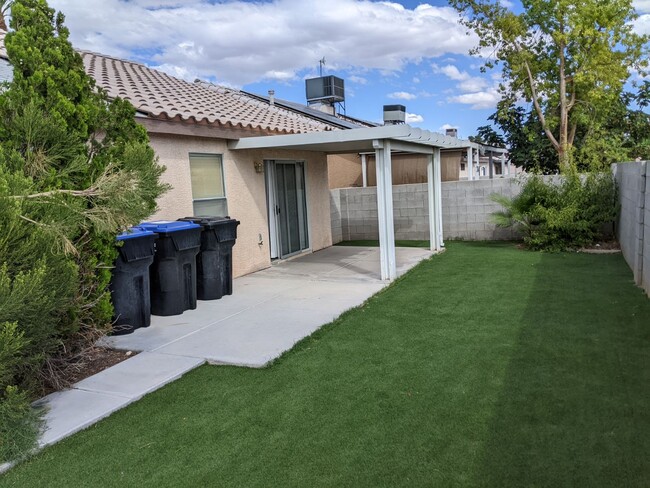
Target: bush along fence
point(466, 209)
point(633, 229)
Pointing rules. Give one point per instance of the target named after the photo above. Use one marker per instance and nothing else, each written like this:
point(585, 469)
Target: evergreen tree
point(75, 169)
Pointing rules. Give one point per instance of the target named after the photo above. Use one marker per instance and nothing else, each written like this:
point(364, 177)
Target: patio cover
point(383, 141)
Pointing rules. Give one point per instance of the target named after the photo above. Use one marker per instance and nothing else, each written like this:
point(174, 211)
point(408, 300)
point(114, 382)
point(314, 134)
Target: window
point(208, 188)
point(462, 166)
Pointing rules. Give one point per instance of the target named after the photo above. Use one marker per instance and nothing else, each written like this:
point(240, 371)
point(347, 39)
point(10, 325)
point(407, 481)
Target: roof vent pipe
point(452, 132)
point(271, 97)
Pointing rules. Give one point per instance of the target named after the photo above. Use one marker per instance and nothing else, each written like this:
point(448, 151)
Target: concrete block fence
point(466, 209)
point(633, 230)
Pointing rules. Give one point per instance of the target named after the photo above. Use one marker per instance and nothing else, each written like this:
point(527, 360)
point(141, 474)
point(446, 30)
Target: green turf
point(484, 366)
point(371, 243)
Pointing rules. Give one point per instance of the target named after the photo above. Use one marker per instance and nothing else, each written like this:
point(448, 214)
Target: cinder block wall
point(335, 216)
point(633, 230)
point(466, 209)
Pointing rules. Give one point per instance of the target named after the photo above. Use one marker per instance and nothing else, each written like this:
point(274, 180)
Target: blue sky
point(406, 52)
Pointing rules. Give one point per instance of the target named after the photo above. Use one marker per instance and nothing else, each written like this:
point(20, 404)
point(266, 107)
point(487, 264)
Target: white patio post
point(491, 165)
point(364, 170)
point(470, 163)
point(437, 187)
point(434, 242)
point(383, 166)
point(503, 165)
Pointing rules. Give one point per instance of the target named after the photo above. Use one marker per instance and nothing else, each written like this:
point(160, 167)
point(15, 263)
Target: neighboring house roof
point(161, 96)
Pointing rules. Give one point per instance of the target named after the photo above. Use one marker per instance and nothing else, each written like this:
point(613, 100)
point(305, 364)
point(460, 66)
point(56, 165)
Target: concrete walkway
point(267, 314)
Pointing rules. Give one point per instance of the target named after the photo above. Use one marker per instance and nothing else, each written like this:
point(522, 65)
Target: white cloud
point(472, 85)
point(451, 71)
point(642, 6)
point(414, 118)
point(506, 3)
point(177, 71)
point(466, 82)
point(478, 100)
point(642, 25)
point(416, 79)
point(402, 95)
point(242, 42)
point(357, 79)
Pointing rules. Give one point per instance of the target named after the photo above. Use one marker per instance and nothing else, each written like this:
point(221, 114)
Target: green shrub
point(19, 423)
point(567, 214)
point(75, 169)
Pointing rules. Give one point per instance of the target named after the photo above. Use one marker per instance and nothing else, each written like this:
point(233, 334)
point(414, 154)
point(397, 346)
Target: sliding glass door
point(287, 203)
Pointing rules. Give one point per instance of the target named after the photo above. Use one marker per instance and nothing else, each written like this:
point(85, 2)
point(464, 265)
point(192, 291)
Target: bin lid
point(210, 222)
point(167, 226)
point(134, 232)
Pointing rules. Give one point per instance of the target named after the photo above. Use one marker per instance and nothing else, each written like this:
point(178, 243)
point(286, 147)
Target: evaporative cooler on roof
point(325, 89)
point(394, 114)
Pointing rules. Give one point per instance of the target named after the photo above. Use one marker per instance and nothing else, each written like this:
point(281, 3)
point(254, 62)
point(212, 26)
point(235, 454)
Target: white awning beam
point(352, 140)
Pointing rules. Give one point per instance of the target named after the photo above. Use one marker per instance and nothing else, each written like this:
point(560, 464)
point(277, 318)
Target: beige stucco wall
point(245, 191)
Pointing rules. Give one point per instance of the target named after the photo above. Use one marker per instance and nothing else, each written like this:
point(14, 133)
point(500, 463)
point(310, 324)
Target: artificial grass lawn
point(484, 366)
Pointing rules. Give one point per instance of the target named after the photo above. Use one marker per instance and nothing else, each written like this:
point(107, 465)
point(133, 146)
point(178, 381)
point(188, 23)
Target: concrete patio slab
point(70, 411)
point(259, 335)
point(272, 309)
point(139, 375)
point(96, 397)
point(267, 314)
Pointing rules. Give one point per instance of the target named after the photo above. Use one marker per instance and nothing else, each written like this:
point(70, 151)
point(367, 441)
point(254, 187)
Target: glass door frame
point(272, 196)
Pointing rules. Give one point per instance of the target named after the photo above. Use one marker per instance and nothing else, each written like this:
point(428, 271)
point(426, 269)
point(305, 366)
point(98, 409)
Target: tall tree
point(75, 169)
point(528, 146)
point(488, 136)
point(569, 58)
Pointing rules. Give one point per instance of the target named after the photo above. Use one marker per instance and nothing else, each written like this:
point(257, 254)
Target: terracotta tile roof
point(162, 96)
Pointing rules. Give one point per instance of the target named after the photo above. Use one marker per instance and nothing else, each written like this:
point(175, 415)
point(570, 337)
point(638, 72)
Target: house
point(190, 125)
point(261, 161)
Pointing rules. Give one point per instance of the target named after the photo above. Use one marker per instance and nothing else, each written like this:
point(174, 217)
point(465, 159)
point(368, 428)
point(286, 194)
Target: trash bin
point(173, 272)
point(129, 285)
point(214, 262)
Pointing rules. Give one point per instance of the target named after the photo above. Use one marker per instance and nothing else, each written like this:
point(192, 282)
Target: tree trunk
point(563, 149)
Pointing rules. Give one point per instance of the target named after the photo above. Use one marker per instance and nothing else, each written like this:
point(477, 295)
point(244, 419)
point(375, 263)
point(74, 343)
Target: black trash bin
point(214, 262)
point(173, 272)
point(129, 285)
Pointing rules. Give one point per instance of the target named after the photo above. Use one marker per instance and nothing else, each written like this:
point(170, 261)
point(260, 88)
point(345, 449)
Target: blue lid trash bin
point(173, 272)
point(129, 284)
point(214, 262)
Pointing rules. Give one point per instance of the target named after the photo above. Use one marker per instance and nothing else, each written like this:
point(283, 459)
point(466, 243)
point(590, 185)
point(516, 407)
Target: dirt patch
point(99, 359)
point(605, 247)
